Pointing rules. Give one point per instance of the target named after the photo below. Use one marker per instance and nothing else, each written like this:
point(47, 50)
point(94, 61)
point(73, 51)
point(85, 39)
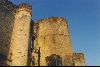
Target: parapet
point(52, 19)
point(24, 7)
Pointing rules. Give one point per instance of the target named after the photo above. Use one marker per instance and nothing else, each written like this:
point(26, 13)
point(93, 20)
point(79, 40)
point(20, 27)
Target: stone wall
point(52, 37)
point(79, 59)
point(6, 26)
point(20, 36)
point(14, 33)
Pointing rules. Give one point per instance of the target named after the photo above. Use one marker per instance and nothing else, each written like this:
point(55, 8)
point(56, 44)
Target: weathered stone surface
point(79, 59)
point(6, 26)
point(53, 38)
point(14, 33)
point(68, 60)
point(20, 38)
point(52, 26)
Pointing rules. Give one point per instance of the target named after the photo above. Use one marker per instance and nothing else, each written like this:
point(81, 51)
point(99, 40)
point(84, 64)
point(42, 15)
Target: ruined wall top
point(52, 19)
point(23, 7)
point(6, 5)
point(51, 25)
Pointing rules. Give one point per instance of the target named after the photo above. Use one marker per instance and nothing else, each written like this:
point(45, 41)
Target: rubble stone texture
point(6, 26)
point(20, 37)
point(79, 59)
point(52, 36)
point(51, 39)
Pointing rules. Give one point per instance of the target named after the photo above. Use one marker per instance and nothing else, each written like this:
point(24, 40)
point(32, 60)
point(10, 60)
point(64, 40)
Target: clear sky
point(84, 22)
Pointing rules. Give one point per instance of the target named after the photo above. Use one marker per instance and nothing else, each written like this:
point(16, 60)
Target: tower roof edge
point(24, 7)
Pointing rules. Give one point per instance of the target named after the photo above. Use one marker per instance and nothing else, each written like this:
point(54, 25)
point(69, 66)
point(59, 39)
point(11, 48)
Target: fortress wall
point(79, 59)
point(20, 36)
point(6, 26)
point(53, 38)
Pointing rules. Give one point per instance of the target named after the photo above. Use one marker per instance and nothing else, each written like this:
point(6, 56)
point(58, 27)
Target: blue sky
point(84, 22)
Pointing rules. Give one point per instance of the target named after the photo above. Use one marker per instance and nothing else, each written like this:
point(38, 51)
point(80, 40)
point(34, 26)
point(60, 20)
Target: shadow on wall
point(6, 26)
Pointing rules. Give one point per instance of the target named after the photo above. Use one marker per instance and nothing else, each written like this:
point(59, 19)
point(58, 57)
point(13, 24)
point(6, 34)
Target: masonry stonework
point(52, 37)
point(6, 27)
point(79, 59)
point(44, 42)
point(20, 36)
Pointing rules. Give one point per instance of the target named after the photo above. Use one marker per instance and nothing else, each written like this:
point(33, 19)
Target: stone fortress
point(23, 42)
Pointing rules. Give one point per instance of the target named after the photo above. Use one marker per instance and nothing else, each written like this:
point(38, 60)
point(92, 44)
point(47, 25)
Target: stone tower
point(23, 42)
point(14, 33)
point(20, 36)
point(52, 45)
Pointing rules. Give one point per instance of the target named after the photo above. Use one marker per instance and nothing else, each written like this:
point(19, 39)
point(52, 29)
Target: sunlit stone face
point(53, 38)
point(20, 38)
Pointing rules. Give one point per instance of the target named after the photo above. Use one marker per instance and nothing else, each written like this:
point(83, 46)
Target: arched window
point(54, 60)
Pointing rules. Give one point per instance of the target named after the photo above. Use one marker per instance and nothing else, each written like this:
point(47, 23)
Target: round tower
point(20, 36)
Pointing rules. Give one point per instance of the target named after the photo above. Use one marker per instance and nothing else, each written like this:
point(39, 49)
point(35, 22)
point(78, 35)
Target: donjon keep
point(24, 42)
